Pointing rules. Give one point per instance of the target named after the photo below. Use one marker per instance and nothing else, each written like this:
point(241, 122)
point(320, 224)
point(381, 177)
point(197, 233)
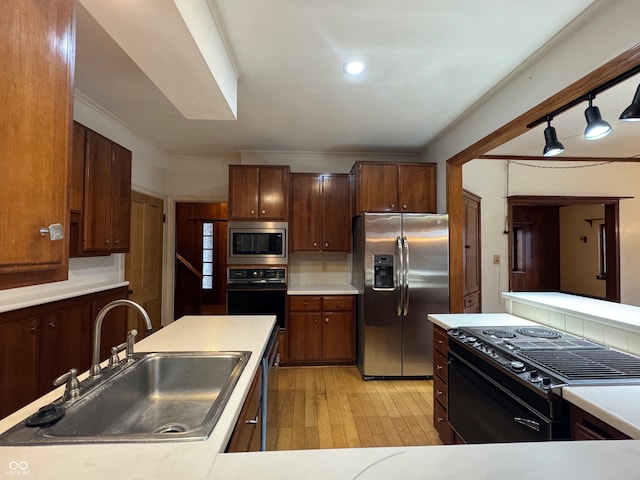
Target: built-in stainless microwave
point(257, 243)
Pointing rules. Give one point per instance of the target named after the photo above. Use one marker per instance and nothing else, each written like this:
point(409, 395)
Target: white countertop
point(155, 460)
point(619, 406)
point(612, 313)
point(455, 320)
point(322, 289)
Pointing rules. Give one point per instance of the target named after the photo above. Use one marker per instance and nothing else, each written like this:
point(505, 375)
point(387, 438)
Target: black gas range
point(505, 383)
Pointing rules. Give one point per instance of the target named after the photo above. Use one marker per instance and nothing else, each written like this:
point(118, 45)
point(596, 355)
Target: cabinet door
point(247, 432)
point(273, 187)
point(97, 194)
point(37, 45)
point(336, 213)
point(18, 363)
point(243, 192)
point(377, 188)
point(121, 199)
point(64, 342)
point(417, 186)
point(306, 210)
point(338, 340)
point(305, 332)
point(471, 243)
point(76, 181)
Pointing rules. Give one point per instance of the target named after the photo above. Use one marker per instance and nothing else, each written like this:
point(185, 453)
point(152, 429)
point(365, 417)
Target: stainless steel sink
point(159, 397)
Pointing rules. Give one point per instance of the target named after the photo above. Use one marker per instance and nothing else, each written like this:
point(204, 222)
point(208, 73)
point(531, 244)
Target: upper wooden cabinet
point(395, 187)
point(320, 212)
point(258, 192)
point(37, 47)
point(101, 190)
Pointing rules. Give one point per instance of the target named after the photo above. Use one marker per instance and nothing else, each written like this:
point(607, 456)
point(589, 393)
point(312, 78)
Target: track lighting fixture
point(552, 146)
point(597, 128)
point(632, 112)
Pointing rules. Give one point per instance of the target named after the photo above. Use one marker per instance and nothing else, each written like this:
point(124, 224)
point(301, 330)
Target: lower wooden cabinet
point(585, 426)
point(39, 343)
point(321, 329)
point(440, 390)
point(248, 430)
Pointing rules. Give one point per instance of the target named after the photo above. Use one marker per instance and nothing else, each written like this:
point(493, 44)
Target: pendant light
point(552, 146)
point(632, 112)
point(597, 128)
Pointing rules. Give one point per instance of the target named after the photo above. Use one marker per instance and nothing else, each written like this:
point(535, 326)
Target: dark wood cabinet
point(248, 430)
point(40, 343)
point(321, 329)
point(471, 257)
point(106, 213)
point(320, 213)
point(37, 45)
point(440, 390)
point(585, 426)
point(258, 192)
point(395, 187)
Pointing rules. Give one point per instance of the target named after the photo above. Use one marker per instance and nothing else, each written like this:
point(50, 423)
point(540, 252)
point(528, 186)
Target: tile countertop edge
point(153, 460)
point(50, 293)
point(338, 289)
point(590, 308)
point(614, 405)
point(455, 320)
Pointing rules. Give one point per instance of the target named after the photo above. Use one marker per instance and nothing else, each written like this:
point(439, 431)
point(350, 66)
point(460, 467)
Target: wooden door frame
point(619, 65)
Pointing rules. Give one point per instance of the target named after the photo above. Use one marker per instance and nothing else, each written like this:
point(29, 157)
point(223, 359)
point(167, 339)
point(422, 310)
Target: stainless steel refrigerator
point(401, 268)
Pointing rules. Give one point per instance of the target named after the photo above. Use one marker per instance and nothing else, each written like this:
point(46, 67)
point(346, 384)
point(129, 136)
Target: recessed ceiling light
point(354, 67)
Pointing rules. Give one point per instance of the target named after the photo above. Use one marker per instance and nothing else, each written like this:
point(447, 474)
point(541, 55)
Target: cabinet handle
point(252, 421)
point(326, 244)
point(32, 329)
point(337, 304)
point(326, 320)
point(315, 244)
point(107, 242)
point(253, 212)
point(116, 242)
point(438, 367)
point(392, 205)
point(439, 393)
point(55, 231)
point(315, 320)
point(263, 212)
point(52, 325)
point(404, 205)
point(440, 419)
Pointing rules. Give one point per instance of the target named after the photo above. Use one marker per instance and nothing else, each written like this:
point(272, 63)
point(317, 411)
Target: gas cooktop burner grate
point(494, 332)
point(587, 364)
point(538, 332)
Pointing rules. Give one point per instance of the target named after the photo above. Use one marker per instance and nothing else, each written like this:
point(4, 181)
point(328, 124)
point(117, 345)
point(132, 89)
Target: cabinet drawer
point(440, 367)
point(440, 341)
point(440, 391)
point(305, 304)
point(441, 423)
point(337, 302)
point(472, 303)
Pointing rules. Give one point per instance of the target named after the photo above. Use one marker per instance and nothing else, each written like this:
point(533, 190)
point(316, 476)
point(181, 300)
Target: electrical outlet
point(324, 266)
point(496, 259)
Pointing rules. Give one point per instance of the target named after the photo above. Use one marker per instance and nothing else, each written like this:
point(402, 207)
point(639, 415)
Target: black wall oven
point(257, 291)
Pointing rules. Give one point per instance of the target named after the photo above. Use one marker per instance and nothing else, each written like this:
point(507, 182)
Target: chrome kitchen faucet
point(96, 370)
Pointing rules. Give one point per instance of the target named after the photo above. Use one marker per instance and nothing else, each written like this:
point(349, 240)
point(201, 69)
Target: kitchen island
point(204, 460)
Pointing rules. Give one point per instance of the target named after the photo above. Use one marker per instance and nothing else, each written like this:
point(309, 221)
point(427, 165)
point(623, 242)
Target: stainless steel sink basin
point(159, 397)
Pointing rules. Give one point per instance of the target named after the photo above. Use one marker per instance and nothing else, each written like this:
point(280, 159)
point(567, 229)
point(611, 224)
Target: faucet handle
point(72, 390)
point(114, 360)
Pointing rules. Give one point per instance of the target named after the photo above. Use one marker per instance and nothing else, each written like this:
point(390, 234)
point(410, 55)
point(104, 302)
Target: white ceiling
point(428, 61)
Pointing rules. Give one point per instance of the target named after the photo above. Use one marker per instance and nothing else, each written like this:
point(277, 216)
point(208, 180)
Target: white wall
point(487, 179)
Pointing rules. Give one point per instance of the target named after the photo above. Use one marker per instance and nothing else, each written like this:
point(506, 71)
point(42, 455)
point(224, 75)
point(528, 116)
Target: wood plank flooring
point(332, 407)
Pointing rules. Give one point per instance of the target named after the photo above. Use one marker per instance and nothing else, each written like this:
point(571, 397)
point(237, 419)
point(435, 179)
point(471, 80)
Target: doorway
point(143, 263)
point(565, 244)
point(200, 258)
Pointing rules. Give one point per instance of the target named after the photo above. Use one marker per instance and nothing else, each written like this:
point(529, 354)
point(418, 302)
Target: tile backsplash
point(320, 269)
point(612, 336)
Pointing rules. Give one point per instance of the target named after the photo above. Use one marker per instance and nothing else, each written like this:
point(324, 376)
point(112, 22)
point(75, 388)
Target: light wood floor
point(332, 407)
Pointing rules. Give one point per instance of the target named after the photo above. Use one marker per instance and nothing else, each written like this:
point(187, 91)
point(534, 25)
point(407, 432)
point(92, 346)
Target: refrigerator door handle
point(399, 276)
point(405, 280)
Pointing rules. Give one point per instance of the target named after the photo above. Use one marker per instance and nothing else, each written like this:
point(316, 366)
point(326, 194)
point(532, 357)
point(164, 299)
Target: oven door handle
point(532, 424)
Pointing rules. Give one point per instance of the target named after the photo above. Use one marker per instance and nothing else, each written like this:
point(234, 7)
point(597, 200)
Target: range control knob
point(517, 366)
point(471, 340)
point(534, 376)
point(546, 381)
